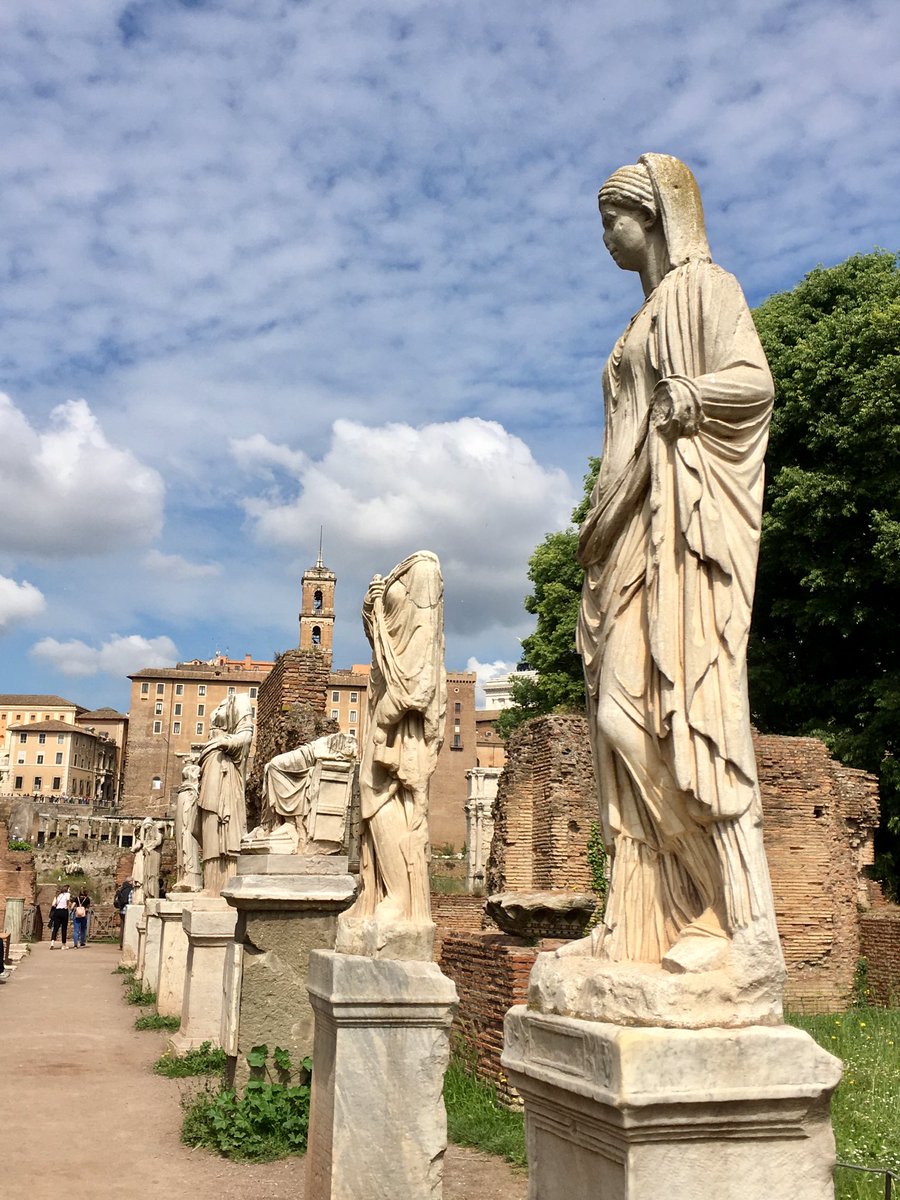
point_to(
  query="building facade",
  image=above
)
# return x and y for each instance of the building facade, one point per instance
(57, 758)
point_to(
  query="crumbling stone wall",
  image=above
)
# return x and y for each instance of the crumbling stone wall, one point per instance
(880, 944)
(456, 912)
(819, 819)
(17, 874)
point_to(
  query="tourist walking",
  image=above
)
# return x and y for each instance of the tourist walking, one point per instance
(80, 906)
(59, 917)
(124, 896)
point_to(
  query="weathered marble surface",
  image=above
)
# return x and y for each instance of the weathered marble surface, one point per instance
(541, 914)
(189, 876)
(209, 926)
(150, 969)
(710, 1114)
(378, 1128)
(145, 871)
(222, 801)
(173, 953)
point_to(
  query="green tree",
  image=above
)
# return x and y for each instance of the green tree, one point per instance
(824, 651)
(550, 651)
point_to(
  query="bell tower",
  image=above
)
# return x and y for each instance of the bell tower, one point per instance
(317, 606)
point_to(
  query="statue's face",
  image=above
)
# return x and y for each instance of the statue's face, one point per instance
(626, 235)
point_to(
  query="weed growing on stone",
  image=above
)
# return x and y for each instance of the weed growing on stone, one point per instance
(135, 994)
(155, 1021)
(270, 1120)
(865, 1109)
(476, 1118)
(206, 1059)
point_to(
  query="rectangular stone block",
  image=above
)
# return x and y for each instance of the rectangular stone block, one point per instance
(133, 913)
(378, 1128)
(210, 935)
(173, 952)
(708, 1114)
(150, 972)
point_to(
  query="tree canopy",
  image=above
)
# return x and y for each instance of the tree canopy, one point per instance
(824, 651)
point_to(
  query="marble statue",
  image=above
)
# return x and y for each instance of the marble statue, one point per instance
(403, 616)
(145, 872)
(669, 551)
(307, 794)
(222, 802)
(187, 826)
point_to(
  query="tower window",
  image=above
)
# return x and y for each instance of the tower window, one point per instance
(316, 635)
(317, 600)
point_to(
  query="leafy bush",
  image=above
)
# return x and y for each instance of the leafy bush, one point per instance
(18, 844)
(206, 1059)
(155, 1021)
(270, 1120)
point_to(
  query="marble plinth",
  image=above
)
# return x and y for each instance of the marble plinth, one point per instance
(15, 915)
(173, 952)
(707, 1114)
(287, 906)
(133, 913)
(209, 928)
(378, 1128)
(150, 973)
(141, 930)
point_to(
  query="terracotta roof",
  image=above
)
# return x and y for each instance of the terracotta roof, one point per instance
(39, 701)
(207, 674)
(102, 714)
(50, 727)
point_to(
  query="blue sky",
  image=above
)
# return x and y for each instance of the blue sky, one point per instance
(269, 265)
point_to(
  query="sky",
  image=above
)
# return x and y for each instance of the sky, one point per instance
(276, 265)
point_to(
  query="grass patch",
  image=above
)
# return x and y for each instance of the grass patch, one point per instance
(155, 1021)
(865, 1109)
(270, 1120)
(207, 1059)
(475, 1118)
(122, 970)
(135, 994)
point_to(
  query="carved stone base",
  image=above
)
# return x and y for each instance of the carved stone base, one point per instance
(133, 913)
(173, 952)
(645, 994)
(209, 928)
(378, 1128)
(287, 907)
(707, 1114)
(150, 970)
(373, 937)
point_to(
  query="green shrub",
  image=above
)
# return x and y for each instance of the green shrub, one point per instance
(155, 1021)
(18, 844)
(207, 1059)
(136, 994)
(270, 1120)
(476, 1118)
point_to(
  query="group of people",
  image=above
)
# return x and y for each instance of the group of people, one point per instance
(77, 904)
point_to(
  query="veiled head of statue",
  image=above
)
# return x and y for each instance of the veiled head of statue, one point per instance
(663, 186)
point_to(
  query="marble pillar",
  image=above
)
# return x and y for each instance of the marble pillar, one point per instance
(173, 952)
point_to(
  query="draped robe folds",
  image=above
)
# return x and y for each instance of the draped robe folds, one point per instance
(222, 805)
(669, 550)
(404, 623)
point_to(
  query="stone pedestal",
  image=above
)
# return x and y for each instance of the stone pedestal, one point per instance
(15, 914)
(209, 928)
(378, 1129)
(287, 906)
(150, 973)
(173, 952)
(133, 913)
(141, 930)
(706, 1114)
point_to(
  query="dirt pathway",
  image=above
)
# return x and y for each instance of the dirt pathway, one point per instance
(83, 1118)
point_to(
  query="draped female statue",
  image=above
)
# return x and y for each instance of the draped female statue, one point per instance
(669, 552)
(223, 777)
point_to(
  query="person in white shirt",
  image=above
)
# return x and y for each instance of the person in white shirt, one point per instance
(59, 917)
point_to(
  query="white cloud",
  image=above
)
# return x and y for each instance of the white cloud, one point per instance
(117, 657)
(65, 490)
(486, 672)
(468, 490)
(174, 568)
(18, 602)
(256, 454)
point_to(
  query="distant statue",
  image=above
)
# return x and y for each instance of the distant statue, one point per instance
(187, 826)
(669, 550)
(307, 794)
(403, 616)
(223, 778)
(145, 872)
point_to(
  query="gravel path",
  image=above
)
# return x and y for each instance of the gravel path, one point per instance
(83, 1118)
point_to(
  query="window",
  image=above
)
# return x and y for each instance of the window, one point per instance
(23, 738)
(334, 714)
(354, 697)
(253, 693)
(60, 738)
(42, 738)
(145, 689)
(157, 726)
(201, 710)
(335, 696)
(352, 716)
(160, 689)
(156, 784)
(57, 783)
(201, 690)
(457, 707)
(176, 727)
(177, 710)
(317, 600)
(199, 728)
(231, 691)
(21, 757)
(40, 760)
(179, 689)
(159, 708)
(18, 783)
(457, 742)
(38, 781)
(18, 716)
(316, 636)
(59, 758)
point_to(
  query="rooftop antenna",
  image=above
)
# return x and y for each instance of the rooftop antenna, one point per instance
(319, 562)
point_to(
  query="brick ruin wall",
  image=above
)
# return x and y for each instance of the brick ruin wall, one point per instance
(880, 936)
(819, 820)
(290, 711)
(18, 877)
(456, 913)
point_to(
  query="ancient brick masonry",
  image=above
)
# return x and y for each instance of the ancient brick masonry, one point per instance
(880, 934)
(17, 874)
(456, 913)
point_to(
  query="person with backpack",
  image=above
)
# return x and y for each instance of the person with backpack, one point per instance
(59, 916)
(123, 898)
(80, 906)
